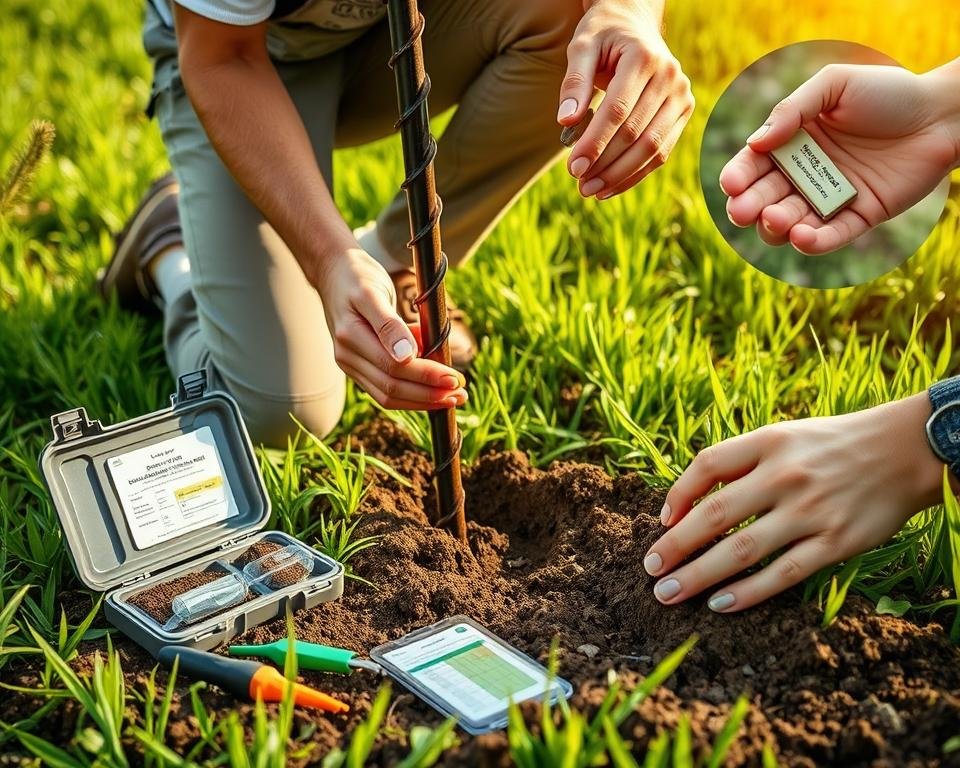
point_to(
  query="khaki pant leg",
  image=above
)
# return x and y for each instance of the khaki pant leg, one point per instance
(252, 320)
(502, 62)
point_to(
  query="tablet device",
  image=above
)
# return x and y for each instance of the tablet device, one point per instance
(463, 670)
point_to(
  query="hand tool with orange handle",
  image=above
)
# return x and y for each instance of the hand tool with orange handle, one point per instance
(245, 679)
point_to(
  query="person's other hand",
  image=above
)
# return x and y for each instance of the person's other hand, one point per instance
(617, 47)
(822, 490)
(890, 132)
(373, 345)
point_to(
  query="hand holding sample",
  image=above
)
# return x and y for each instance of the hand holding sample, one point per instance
(895, 136)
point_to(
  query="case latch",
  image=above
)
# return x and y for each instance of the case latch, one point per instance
(190, 386)
(230, 543)
(139, 577)
(72, 424)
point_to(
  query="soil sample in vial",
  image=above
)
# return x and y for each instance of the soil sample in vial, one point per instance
(263, 567)
(157, 600)
(280, 567)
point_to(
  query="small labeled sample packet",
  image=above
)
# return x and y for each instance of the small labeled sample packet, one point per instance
(463, 670)
(814, 175)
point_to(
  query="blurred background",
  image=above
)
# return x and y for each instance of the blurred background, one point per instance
(740, 110)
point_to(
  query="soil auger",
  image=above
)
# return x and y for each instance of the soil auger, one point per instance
(424, 207)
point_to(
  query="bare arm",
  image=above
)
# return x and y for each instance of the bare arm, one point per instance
(653, 7)
(255, 128)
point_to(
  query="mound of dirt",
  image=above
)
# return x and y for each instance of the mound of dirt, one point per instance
(558, 553)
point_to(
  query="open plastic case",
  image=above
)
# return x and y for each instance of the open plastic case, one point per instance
(167, 496)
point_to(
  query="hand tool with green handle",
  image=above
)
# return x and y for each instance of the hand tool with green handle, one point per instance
(321, 658)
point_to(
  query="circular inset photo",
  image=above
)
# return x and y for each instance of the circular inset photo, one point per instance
(823, 165)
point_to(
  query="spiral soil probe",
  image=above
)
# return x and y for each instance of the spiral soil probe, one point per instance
(430, 263)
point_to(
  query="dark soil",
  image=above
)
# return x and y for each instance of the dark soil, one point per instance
(267, 570)
(558, 553)
(157, 600)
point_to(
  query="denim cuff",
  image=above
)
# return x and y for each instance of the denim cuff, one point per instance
(943, 427)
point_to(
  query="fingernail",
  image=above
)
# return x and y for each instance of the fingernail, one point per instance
(452, 402)
(591, 187)
(463, 379)
(567, 108)
(579, 166)
(665, 515)
(605, 195)
(667, 588)
(451, 382)
(759, 133)
(652, 563)
(766, 226)
(721, 602)
(402, 349)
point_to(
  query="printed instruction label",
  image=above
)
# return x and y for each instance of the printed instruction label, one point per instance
(472, 673)
(172, 487)
(814, 174)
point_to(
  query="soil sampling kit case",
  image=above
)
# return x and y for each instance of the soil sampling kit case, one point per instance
(166, 512)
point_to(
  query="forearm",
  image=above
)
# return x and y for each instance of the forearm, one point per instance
(944, 84)
(255, 128)
(904, 424)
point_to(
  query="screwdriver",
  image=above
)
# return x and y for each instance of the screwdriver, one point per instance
(246, 679)
(321, 658)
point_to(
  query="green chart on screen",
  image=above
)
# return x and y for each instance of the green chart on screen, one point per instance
(495, 675)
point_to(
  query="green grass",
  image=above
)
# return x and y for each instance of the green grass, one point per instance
(628, 329)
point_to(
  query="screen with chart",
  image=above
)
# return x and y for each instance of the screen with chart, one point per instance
(472, 672)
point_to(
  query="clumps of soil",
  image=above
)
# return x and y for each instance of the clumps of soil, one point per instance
(286, 576)
(157, 600)
(558, 553)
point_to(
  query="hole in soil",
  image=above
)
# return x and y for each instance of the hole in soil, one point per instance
(558, 553)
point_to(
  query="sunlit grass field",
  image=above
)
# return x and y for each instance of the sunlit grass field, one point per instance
(626, 330)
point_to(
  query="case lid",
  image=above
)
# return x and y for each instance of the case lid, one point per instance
(143, 495)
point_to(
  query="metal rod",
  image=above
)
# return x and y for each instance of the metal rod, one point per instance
(424, 207)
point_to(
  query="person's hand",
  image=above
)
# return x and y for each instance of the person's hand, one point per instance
(617, 47)
(892, 133)
(822, 489)
(373, 345)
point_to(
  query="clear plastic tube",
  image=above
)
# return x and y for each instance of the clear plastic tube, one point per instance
(274, 570)
(205, 600)
(279, 569)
